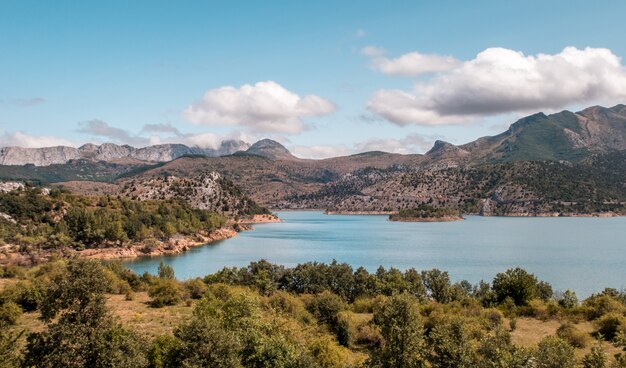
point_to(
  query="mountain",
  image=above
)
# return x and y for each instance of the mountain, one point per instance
(559, 162)
(270, 149)
(110, 152)
(561, 136)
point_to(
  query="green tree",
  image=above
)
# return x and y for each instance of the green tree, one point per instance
(166, 271)
(438, 285)
(401, 328)
(451, 344)
(80, 332)
(516, 284)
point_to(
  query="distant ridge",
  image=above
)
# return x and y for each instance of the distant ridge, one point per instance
(110, 152)
(565, 136)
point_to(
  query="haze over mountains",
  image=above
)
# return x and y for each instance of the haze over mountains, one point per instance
(560, 136)
(559, 163)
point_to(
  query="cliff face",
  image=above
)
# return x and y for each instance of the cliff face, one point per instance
(109, 152)
(37, 156)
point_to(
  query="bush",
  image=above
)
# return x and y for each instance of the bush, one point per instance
(599, 305)
(10, 313)
(195, 288)
(610, 325)
(325, 306)
(553, 352)
(164, 292)
(572, 335)
(290, 305)
(596, 358)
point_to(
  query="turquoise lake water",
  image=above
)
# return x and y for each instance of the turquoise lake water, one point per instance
(582, 254)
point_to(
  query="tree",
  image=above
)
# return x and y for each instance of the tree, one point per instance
(438, 285)
(401, 328)
(451, 345)
(84, 334)
(517, 284)
(568, 299)
(166, 271)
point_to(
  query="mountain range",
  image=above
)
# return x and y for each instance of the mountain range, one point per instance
(522, 171)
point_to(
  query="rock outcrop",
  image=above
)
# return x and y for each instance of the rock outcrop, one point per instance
(110, 152)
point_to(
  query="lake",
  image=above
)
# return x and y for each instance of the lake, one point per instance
(583, 254)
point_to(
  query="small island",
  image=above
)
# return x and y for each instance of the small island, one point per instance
(426, 213)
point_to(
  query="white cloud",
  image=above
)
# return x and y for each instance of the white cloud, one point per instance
(321, 151)
(372, 51)
(262, 107)
(500, 80)
(99, 128)
(411, 64)
(412, 143)
(21, 139)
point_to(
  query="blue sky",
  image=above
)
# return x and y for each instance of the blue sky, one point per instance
(136, 71)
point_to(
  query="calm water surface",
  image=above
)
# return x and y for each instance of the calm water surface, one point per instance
(582, 254)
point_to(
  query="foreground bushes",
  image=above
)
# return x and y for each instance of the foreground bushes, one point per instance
(267, 316)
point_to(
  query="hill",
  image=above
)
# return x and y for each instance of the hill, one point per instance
(541, 163)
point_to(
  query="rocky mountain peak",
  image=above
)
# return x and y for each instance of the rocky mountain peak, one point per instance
(271, 149)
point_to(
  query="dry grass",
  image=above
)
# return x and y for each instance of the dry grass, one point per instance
(530, 331)
(138, 315)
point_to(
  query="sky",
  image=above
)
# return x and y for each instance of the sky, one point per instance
(324, 78)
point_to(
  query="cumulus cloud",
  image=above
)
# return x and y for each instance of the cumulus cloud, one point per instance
(412, 143)
(21, 139)
(411, 64)
(262, 107)
(500, 80)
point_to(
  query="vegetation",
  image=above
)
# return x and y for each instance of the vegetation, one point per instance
(68, 313)
(424, 212)
(58, 219)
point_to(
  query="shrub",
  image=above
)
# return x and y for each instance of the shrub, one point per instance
(568, 332)
(291, 306)
(10, 312)
(553, 352)
(195, 288)
(164, 292)
(610, 325)
(596, 358)
(325, 306)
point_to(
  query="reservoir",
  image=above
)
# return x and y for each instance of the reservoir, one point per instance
(582, 254)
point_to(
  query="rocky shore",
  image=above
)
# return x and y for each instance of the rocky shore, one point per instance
(174, 245)
(260, 219)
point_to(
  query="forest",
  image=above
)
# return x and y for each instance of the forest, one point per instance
(81, 313)
(35, 217)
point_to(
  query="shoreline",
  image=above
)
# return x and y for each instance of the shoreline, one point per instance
(151, 248)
